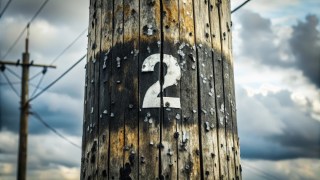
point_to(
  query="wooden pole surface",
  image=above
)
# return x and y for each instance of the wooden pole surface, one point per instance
(24, 105)
(159, 94)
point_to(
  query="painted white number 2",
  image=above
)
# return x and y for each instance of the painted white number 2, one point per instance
(151, 99)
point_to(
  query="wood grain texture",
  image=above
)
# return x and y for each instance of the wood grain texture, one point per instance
(149, 118)
(105, 90)
(216, 55)
(96, 109)
(84, 160)
(131, 88)
(226, 62)
(219, 91)
(206, 110)
(188, 131)
(118, 99)
(124, 140)
(91, 141)
(229, 77)
(171, 116)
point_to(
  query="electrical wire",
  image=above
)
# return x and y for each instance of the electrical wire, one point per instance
(35, 90)
(25, 28)
(5, 8)
(15, 43)
(11, 85)
(13, 73)
(38, 12)
(237, 8)
(271, 176)
(52, 83)
(257, 173)
(62, 52)
(33, 85)
(70, 45)
(5, 83)
(36, 75)
(37, 116)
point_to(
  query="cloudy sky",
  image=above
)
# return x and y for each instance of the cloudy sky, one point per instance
(277, 65)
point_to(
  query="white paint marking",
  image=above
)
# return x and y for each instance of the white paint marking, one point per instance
(151, 99)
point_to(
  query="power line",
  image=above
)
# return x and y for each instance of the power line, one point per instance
(257, 173)
(271, 176)
(15, 43)
(63, 74)
(37, 116)
(39, 82)
(38, 12)
(5, 8)
(14, 73)
(36, 75)
(75, 40)
(37, 87)
(62, 52)
(237, 8)
(5, 83)
(11, 85)
(25, 28)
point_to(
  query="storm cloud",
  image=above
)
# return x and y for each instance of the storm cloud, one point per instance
(258, 39)
(45, 153)
(281, 130)
(67, 14)
(301, 51)
(66, 118)
(305, 45)
(272, 124)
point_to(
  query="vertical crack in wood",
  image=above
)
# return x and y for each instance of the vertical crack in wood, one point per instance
(177, 124)
(198, 92)
(225, 89)
(138, 103)
(210, 9)
(124, 114)
(161, 86)
(221, 39)
(110, 80)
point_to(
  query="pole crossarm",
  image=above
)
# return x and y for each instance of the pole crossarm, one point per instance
(21, 64)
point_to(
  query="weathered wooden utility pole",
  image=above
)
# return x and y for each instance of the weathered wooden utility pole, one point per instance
(24, 107)
(159, 94)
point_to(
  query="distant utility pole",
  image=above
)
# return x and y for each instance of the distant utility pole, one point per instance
(24, 107)
(159, 96)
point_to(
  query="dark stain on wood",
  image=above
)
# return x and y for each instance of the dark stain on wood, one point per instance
(123, 140)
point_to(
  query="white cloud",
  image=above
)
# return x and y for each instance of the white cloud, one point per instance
(49, 157)
(62, 103)
(274, 121)
(283, 12)
(8, 142)
(57, 173)
(255, 117)
(296, 169)
(6, 168)
(268, 70)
